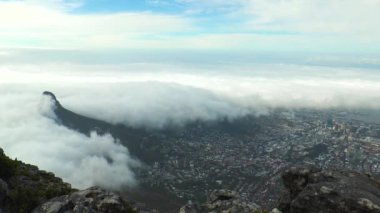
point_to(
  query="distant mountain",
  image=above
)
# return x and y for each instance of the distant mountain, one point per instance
(129, 137)
(145, 144)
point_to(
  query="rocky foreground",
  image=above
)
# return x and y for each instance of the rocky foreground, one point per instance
(308, 190)
(25, 188)
(93, 199)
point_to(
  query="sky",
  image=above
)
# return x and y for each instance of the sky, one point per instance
(296, 26)
(150, 63)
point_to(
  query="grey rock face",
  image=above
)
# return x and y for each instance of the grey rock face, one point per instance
(315, 191)
(93, 200)
(221, 201)
(4, 190)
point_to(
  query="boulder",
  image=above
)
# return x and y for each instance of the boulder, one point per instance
(221, 201)
(312, 190)
(93, 200)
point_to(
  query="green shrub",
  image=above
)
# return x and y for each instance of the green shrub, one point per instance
(28, 186)
(7, 166)
(23, 199)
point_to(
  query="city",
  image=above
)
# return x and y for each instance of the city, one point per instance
(203, 158)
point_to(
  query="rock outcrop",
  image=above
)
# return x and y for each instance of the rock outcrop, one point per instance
(93, 199)
(308, 190)
(221, 201)
(315, 191)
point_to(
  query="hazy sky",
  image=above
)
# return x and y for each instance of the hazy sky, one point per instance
(330, 26)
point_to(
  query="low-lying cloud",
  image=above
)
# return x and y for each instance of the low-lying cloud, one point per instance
(29, 133)
(147, 98)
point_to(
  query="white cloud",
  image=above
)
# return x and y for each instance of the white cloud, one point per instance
(29, 134)
(211, 6)
(35, 25)
(349, 17)
(351, 24)
(340, 26)
(160, 94)
(55, 4)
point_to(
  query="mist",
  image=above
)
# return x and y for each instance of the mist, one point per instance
(29, 133)
(154, 96)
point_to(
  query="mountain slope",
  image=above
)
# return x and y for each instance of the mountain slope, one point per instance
(24, 186)
(128, 136)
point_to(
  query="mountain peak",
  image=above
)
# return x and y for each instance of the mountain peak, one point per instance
(50, 94)
(54, 99)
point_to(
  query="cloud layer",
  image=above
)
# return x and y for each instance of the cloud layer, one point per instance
(43, 25)
(270, 25)
(154, 96)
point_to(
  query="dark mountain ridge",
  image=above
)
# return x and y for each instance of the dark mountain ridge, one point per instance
(127, 135)
(135, 139)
